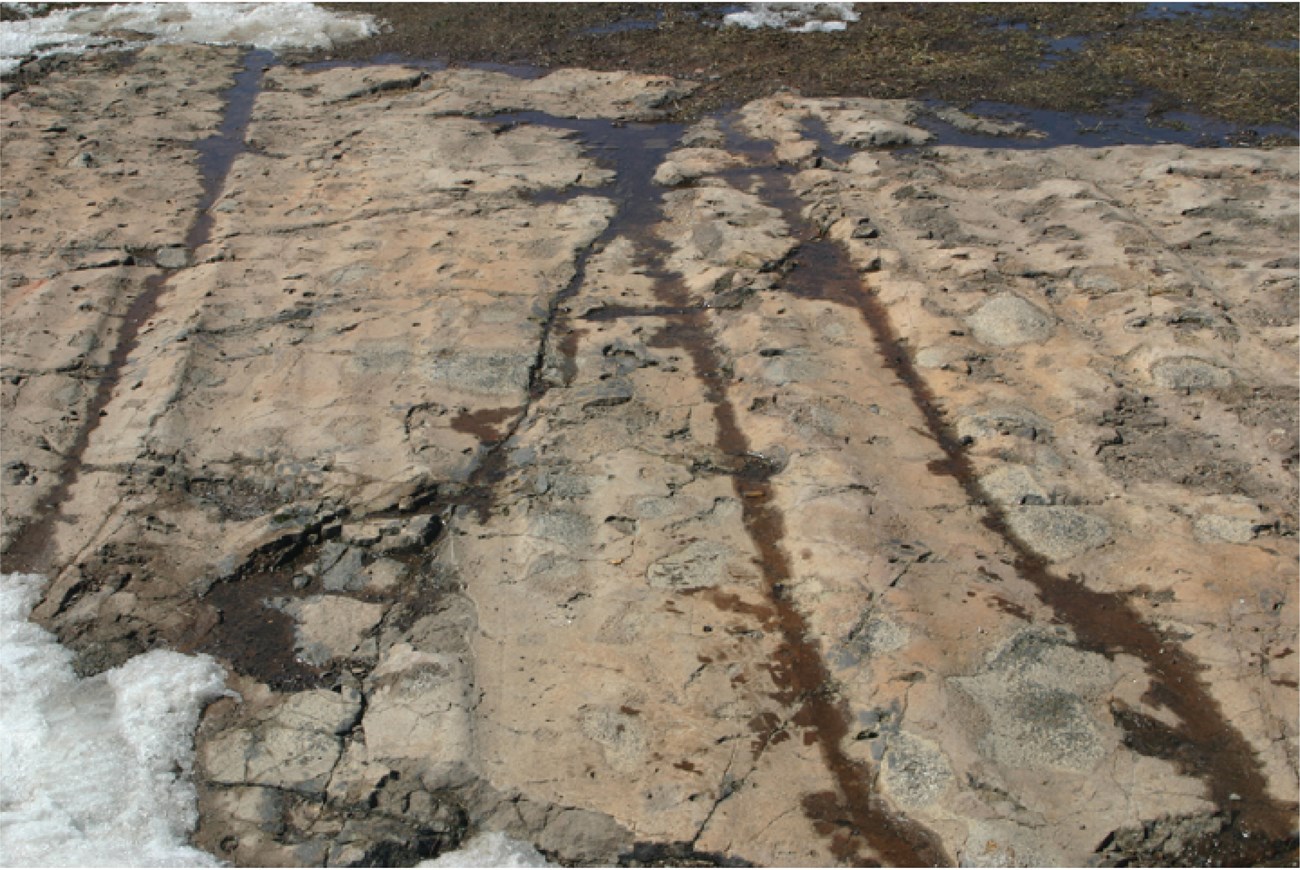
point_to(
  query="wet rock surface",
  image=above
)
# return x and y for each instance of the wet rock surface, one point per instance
(781, 490)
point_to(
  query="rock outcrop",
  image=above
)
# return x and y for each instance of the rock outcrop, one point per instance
(776, 490)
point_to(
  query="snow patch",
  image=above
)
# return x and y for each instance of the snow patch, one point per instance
(794, 17)
(96, 770)
(271, 26)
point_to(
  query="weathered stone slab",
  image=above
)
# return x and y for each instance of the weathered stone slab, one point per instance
(722, 506)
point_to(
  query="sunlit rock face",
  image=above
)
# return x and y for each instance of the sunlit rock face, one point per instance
(761, 490)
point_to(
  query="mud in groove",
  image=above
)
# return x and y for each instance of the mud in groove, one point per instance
(624, 148)
(483, 424)
(1104, 623)
(619, 312)
(856, 823)
(30, 550)
(851, 817)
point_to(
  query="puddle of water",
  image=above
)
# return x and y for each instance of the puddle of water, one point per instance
(516, 70)
(1066, 43)
(1061, 49)
(519, 71)
(217, 153)
(1169, 11)
(1131, 125)
(1128, 124)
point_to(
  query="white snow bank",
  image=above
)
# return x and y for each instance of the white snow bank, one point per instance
(795, 17)
(95, 772)
(490, 850)
(272, 26)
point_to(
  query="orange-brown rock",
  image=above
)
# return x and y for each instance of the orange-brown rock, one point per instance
(789, 489)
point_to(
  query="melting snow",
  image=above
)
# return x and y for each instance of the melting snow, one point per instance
(96, 770)
(795, 17)
(271, 26)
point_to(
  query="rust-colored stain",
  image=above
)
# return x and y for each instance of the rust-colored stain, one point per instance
(18, 294)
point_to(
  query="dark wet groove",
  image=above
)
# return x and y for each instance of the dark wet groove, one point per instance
(1104, 623)
(803, 680)
(621, 146)
(799, 672)
(30, 549)
(620, 312)
(852, 815)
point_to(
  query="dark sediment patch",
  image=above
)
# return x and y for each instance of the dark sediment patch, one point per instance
(1104, 623)
(246, 630)
(30, 549)
(256, 638)
(248, 625)
(484, 424)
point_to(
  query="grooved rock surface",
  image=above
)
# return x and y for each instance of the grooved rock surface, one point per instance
(747, 492)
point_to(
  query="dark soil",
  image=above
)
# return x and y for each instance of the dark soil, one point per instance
(1232, 62)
